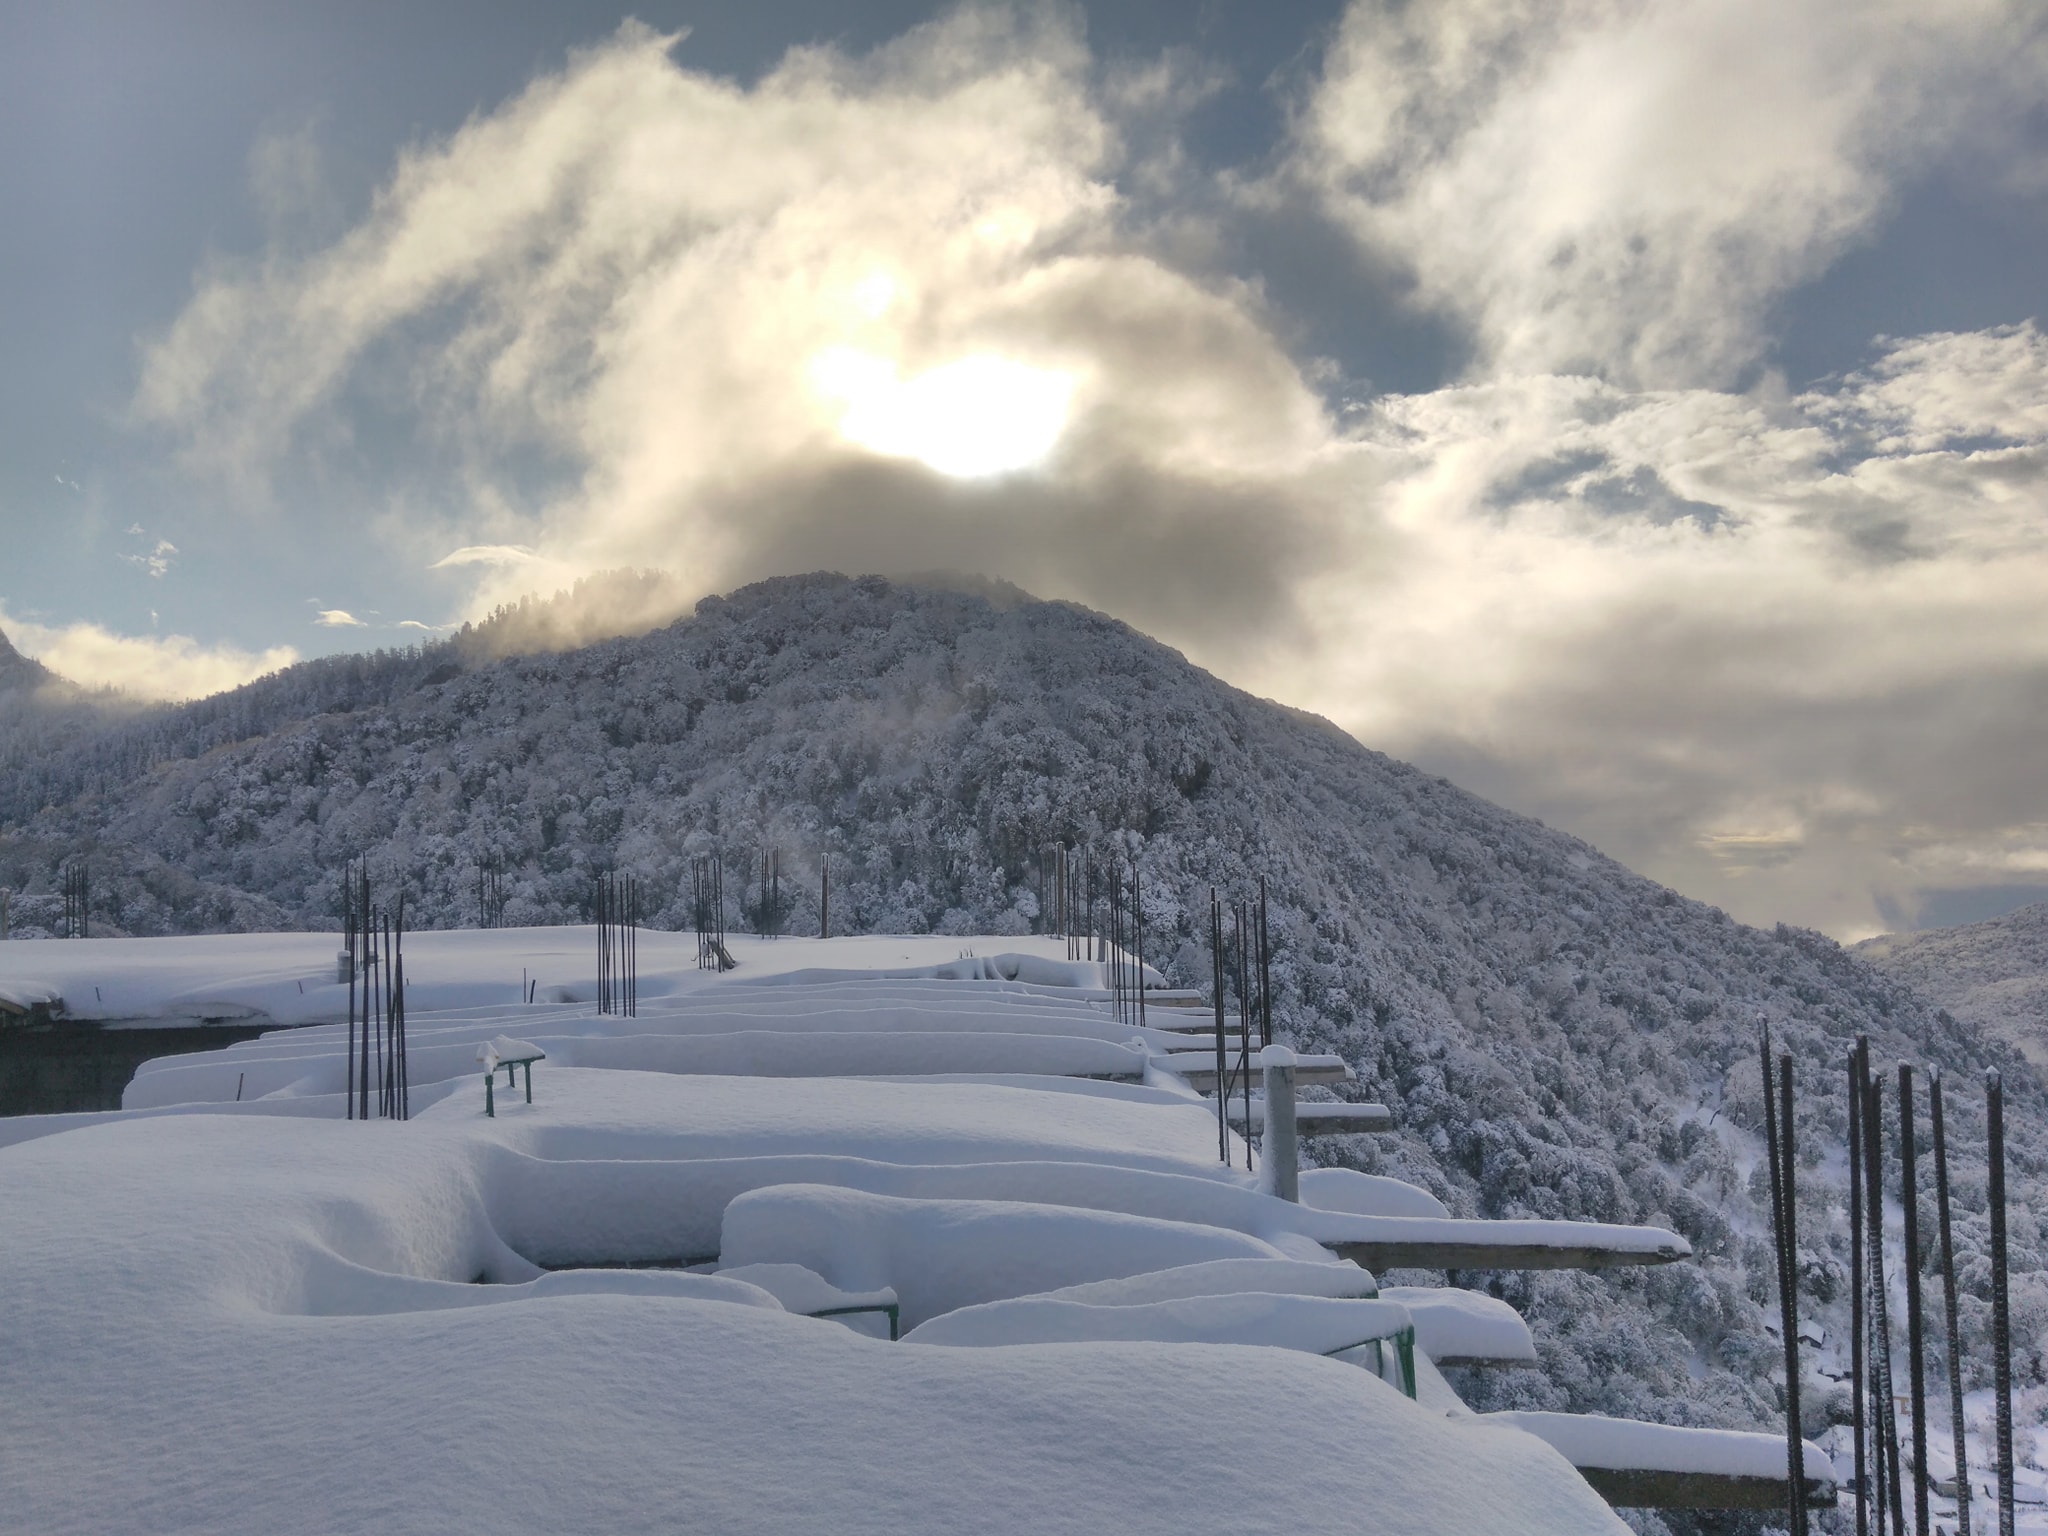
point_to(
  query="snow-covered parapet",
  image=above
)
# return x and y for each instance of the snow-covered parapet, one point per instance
(1455, 1327)
(1674, 1467)
(1316, 1325)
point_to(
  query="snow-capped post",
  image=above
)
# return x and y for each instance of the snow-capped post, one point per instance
(1280, 1173)
(825, 895)
(1916, 1367)
(1778, 1147)
(1948, 1302)
(1856, 1398)
(2001, 1313)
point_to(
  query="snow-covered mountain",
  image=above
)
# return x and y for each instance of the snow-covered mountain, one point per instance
(1993, 974)
(1558, 1036)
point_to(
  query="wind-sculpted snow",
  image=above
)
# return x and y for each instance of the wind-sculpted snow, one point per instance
(1558, 1038)
(258, 1323)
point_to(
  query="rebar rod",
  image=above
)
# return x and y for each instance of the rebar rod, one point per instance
(1948, 1302)
(1138, 918)
(1222, 1079)
(1916, 1365)
(1777, 1139)
(1265, 972)
(1857, 1280)
(2001, 1314)
(1244, 1033)
(1880, 1305)
(348, 1062)
(1796, 1447)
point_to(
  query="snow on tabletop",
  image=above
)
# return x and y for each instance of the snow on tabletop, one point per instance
(503, 1048)
(239, 1323)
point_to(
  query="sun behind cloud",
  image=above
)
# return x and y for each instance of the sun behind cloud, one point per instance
(982, 415)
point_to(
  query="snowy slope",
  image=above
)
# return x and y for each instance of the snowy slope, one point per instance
(1559, 1038)
(1992, 974)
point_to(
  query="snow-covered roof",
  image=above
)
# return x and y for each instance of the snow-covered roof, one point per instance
(257, 1315)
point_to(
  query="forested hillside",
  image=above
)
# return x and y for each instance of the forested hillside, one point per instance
(1558, 1036)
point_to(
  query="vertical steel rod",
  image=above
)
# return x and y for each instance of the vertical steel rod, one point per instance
(1222, 1078)
(1794, 1433)
(1916, 1366)
(2001, 1315)
(1880, 1302)
(1948, 1303)
(1857, 1280)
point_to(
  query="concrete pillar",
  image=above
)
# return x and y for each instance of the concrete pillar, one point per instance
(1281, 1171)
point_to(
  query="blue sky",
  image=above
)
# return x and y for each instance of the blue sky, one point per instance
(1633, 411)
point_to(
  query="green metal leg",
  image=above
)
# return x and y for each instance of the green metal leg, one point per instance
(490, 1100)
(529, 1082)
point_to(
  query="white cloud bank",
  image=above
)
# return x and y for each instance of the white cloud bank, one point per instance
(891, 313)
(1625, 186)
(159, 668)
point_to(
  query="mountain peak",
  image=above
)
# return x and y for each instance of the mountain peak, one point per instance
(19, 672)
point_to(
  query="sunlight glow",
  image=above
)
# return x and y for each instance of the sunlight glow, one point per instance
(979, 416)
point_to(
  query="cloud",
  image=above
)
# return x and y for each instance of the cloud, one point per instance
(937, 218)
(1778, 649)
(338, 618)
(1625, 188)
(154, 667)
(486, 554)
(157, 561)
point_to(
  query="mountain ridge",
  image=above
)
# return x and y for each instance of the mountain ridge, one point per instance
(1993, 973)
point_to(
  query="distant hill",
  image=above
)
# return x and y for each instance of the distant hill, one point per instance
(1993, 974)
(1558, 1036)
